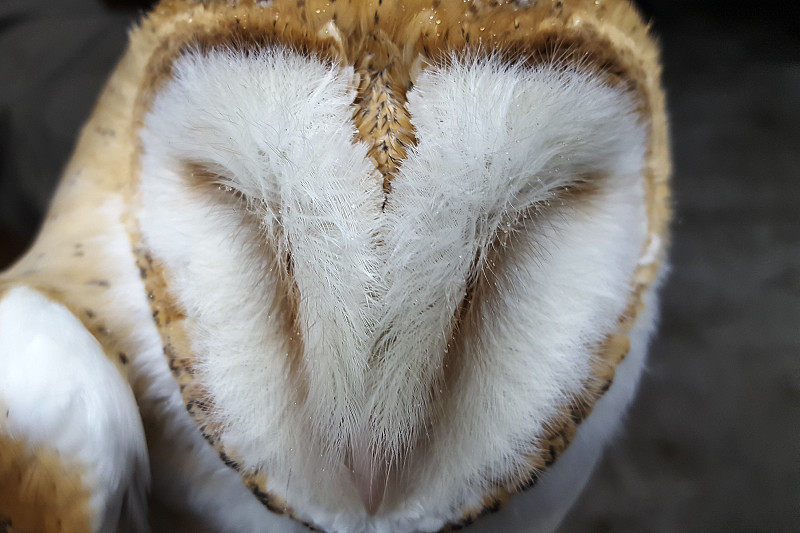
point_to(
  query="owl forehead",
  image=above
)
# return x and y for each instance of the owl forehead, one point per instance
(378, 35)
(388, 44)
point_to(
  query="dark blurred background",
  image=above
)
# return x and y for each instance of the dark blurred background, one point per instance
(712, 442)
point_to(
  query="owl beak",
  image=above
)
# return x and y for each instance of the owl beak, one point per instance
(369, 476)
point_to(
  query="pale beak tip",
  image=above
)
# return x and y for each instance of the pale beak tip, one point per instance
(371, 485)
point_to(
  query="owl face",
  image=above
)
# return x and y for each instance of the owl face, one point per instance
(393, 250)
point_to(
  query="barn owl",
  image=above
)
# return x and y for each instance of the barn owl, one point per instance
(361, 266)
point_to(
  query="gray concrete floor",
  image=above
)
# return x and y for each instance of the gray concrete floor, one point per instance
(713, 441)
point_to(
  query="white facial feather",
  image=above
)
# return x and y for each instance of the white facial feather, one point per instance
(482, 198)
(295, 163)
(541, 510)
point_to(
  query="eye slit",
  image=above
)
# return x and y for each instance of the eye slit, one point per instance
(577, 190)
(206, 181)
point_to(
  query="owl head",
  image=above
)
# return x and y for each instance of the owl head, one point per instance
(396, 250)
